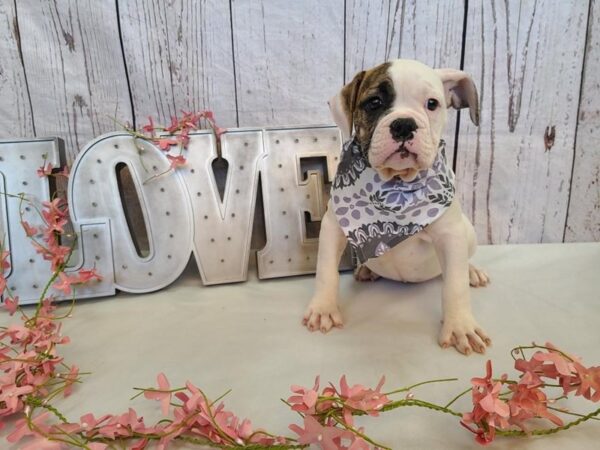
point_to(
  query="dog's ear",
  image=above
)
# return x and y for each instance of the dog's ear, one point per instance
(460, 91)
(343, 104)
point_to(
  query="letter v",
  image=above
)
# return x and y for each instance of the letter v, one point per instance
(223, 229)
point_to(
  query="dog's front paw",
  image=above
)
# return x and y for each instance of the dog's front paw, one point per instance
(322, 315)
(464, 334)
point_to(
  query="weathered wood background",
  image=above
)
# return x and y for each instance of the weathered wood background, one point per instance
(68, 66)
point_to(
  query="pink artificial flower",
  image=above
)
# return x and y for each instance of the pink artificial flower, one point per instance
(55, 215)
(174, 125)
(149, 127)
(65, 283)
(57, 255)
(4, 264)
(45, 170)
(360, 398)
(11, 304)
(97, 446)
(89, 423)
(552, 364)
(11, 396)
(70, 378)
(559, 365)
(183, 138)
(22, 427)
(86, 275)
(527, 403)
(588, 382)
(166, 143)
(114, 429)
(162, 394)
(30, 230)
(482, 437)
(140, 445)
(176, 161)
(489, 411)
(327, 437)
(306, 399)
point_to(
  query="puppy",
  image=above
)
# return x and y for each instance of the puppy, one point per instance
(393, 197)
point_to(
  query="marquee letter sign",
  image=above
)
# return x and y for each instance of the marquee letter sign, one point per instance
(182, 210)
(19, 161)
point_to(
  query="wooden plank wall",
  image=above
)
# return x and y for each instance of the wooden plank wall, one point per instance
(68, 66)
(514, 187)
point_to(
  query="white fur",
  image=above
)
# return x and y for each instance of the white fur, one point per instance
(444, 247)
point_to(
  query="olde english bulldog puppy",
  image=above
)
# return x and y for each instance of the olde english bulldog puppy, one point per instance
(393, 197)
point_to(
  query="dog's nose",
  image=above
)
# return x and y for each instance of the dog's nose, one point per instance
(403, 129)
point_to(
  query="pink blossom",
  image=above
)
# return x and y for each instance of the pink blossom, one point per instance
(89, 423)
(55, 215)
(176, 161)
(70, 378)
(166, 143)
(361, 398)
(22, 428)
(149, 127)
(97, 446)
(529, 402)
(327, 437)
(587, 382)
(11, 304)
(86, 275)
(30, 230)
(4, 266)
(553, 364)
(11, 396)
(162, 394)
(306, 399)
(174, 125)
(65, 283)
(489, 411)
(45, 170)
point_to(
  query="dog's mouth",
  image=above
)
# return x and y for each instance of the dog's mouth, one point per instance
(402, 164)
(401, 153)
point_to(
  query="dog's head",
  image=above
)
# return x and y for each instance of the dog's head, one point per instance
(398, 113)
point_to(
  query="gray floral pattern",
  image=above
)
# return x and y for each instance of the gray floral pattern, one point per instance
(352, 163)
(377, 215)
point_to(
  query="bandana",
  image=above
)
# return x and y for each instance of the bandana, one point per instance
(376, 215)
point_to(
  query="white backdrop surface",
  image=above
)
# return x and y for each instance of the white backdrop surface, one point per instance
(248, 337)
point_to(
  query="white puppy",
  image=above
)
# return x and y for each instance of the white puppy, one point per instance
(393, 195)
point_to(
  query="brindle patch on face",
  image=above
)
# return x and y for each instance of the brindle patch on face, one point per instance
(376, 83)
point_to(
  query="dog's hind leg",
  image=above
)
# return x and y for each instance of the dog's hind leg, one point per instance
(477, 277)
(363, 273)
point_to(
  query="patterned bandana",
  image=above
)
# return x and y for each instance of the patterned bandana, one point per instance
(375, 214)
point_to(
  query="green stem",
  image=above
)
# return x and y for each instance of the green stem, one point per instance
(359, 434)
(420, 403)
(457, 397)
(547, 431)
(442, 380)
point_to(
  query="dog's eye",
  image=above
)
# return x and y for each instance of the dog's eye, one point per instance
(373, 104)
(432, 104)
